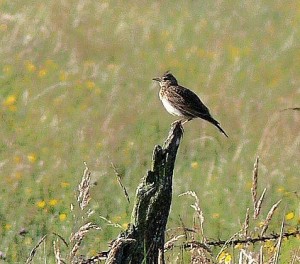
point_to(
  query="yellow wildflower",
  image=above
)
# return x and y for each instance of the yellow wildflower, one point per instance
(30, 66)
(289, 216)
(269, 245)
(31, 157)
(17, 159)
(41, 204)
(7, 69)
(18, 175)
(63, 76)
(53, 202)
(62, 217)
(116, 218)
(222, 256)
(195, 165)
(228, 259)
(286, 193)
(7, 227)
(50, 63)
(42, 73)
(130, 144)
(64, 184)
(10, 100)
(215, 215)
(90, 85)
(12, 108)
(280, 189)
(261, 224)
(239, 246)
(28, 241)
(235, 52)
(3, 27)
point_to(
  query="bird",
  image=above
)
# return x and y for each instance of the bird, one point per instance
(180, 101)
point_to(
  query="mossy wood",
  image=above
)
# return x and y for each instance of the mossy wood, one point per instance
(143, 242)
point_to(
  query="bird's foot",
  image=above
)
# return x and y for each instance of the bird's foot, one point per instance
(176, 122)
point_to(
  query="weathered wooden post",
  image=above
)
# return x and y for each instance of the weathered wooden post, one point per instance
(143, 242)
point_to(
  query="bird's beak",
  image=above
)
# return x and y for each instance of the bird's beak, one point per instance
(156, 79)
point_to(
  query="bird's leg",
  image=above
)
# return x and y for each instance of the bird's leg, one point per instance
(183, 121)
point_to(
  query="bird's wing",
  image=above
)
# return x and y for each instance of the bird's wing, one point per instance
(190, 105)
(187, 102)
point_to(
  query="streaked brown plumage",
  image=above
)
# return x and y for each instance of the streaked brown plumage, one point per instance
(181, 101)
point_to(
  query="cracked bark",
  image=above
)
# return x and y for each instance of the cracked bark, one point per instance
(143, 241)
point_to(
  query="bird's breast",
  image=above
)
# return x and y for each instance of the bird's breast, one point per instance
(169, 107)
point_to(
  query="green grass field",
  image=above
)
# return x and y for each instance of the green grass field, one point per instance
(76, 85)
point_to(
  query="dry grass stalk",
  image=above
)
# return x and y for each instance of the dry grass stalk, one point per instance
(83, 201)
(258, 204)
(247, 256)
(296, 256)
(200, 255)
(110, 223)
(245, 227)
(267, 138)
(84, 188)
(61, 238)
(268, 218)
(261, 255)
(194, 227)
(78, 237)
(254, 182)
(57, 255)
(277, 252)
(198, 210)
(33, 251)
(117, 249)
(227, 242)
(120, 182)
(170, 244)
(184, 228)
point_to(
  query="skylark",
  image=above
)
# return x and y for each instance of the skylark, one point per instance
(180, 101)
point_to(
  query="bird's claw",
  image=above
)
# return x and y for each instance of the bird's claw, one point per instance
(180, 122)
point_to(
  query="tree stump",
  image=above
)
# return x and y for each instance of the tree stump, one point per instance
(143, 241)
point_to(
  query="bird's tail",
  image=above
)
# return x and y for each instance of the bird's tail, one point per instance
(217, 124)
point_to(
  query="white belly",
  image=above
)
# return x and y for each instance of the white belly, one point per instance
(172, 110)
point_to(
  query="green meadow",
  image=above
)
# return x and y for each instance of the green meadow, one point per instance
(76, 86)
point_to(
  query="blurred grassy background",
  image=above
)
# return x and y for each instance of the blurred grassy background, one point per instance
(76, 86)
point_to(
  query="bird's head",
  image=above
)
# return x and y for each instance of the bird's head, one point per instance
(166, 79)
